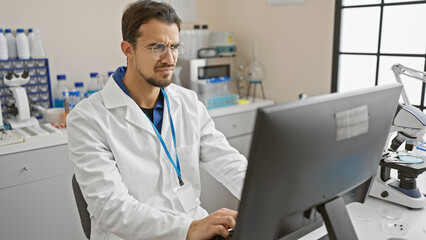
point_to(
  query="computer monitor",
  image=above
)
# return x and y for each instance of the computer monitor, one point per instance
(310, 158)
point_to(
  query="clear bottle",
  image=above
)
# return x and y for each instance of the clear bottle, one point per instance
(108, 77)
(3, 48)
(60, 91)
(94, 85)
(11, 44)
(79, 88)
(198, 40)
(31, 38)
(76, 94)
(23, 45)
(205, 33)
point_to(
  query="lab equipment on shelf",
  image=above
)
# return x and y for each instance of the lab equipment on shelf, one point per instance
(37, 50)
(95, 84)
(60, 91)
(37, 88)
(211, 78)
(20, 109)
(76, 94)
(8, 137)
(223, 42)
(106, 78)
(23, 44)
(31, 39)
(11, 44)
(216, 92)
(194, 40)
(4, 55)
(256, 73)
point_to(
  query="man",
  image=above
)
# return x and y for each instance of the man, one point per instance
(138, 144)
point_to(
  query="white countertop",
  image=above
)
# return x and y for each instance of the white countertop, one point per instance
(59, 140)
(369, 223)
(259, 102)
(42, 142)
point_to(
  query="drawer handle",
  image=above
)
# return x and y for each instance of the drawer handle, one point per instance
(26, 169)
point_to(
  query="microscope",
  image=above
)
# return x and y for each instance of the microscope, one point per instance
(21, 108)
(409, 124)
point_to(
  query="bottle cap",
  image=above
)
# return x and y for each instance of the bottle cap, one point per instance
(1, 30)
(205, 26)
(7, 30)
(93, 74)
(110, 73)
(196, 26)
(78, 84)
(20, 30)
(61, 77)
(30, 30)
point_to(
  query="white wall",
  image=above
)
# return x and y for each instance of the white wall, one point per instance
(295, 42)
(79, 36)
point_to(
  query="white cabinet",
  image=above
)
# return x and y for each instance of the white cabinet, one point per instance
(237, 124)
(36, 198)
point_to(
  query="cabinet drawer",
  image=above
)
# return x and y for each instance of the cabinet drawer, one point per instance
(35, 165)
(236, 124)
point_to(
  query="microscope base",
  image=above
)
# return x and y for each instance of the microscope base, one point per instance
(384, 191)
(14, 123)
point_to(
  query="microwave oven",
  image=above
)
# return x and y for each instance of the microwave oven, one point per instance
(194, 70)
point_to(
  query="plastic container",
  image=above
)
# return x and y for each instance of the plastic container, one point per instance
(108, 77)
(22, 44)
(213, 87)
(31, 38)
(76, 94)
(58, 92)
(95, 84)
(37, 50)
(187, 37)
(11, 44)
(205, 34)
(3, 48)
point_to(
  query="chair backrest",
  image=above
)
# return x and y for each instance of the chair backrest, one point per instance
(82, 207)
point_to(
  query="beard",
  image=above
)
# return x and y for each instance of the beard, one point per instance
(157, 82)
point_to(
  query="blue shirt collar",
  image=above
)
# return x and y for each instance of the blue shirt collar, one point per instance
(118, 77)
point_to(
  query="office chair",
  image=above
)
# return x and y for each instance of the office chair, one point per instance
(82, 207)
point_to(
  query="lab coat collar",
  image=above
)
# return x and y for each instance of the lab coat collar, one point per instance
(114, 97)
(175, 108)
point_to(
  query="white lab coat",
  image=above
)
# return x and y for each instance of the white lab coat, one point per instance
(124, 173)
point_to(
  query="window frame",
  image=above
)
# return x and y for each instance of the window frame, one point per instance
(337, 52)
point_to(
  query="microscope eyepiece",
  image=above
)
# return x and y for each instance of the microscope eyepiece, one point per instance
(9, 75)
(25, 73)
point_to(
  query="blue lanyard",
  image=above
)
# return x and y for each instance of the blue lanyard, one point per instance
(177, 165)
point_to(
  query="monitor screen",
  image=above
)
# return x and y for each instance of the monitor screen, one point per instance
(309, 158)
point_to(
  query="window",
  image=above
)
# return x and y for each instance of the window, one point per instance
(371, 36)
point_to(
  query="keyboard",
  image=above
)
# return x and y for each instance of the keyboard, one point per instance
(231, 231)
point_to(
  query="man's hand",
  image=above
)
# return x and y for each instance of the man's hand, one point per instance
(215, 224)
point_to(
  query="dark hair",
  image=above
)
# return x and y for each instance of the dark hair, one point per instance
(140, 12)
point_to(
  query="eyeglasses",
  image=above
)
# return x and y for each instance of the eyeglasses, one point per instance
(159, 50)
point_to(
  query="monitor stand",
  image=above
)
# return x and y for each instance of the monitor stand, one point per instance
(337, 221)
